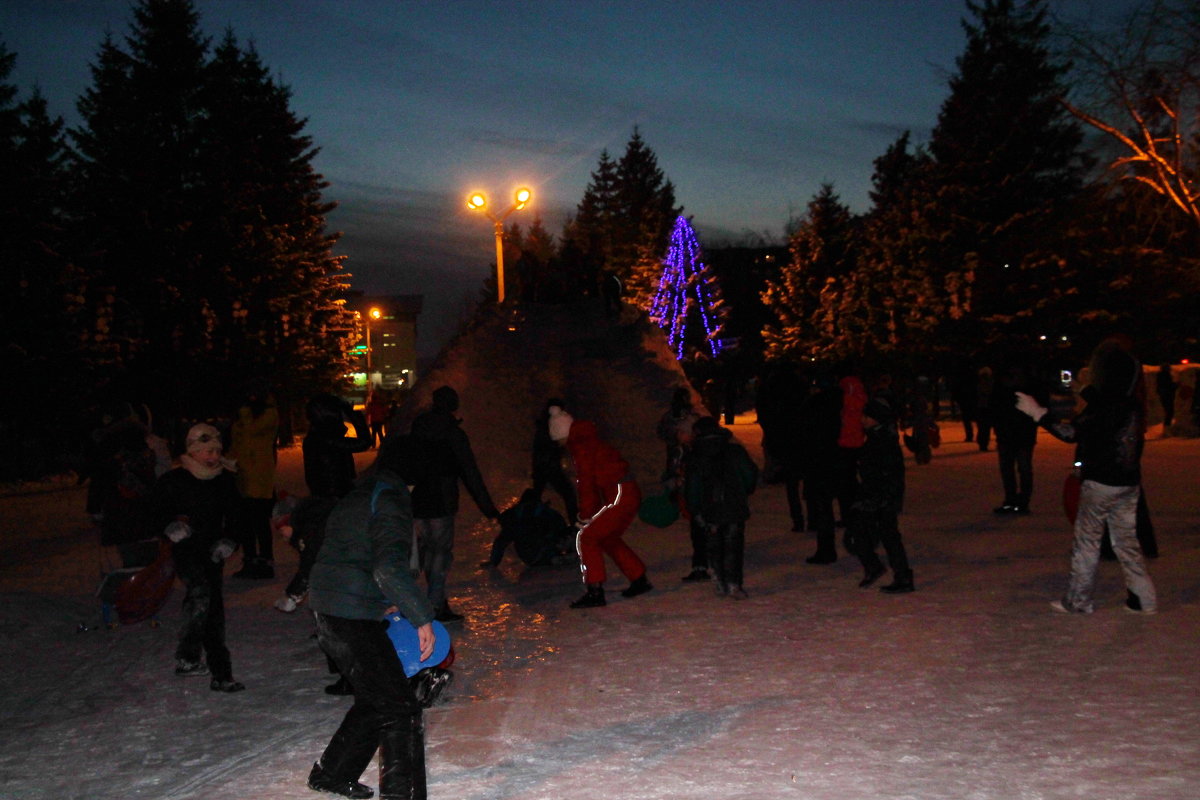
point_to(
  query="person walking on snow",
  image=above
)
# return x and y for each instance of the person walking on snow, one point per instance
(194, 506)
(1109, 434)
(362, 574)
(435, 496)
(675, 430)
(719, 478)
(608, 502)
(873, 517)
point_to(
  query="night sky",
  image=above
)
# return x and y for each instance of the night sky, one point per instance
(749, 106)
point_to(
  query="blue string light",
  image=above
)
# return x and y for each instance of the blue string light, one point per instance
(684, 269)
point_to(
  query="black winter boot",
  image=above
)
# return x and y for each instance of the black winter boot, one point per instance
(402, 760)
(592, 598)
(321, 781)
(902, 584)
(429, 683)
(639, 585)
(872, 574)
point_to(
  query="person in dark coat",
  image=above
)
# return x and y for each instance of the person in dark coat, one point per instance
(964, 392)
(820, 425)
(195, 506)
(1165, 385)
(674, 430)
(435, 496)
(1109, 435)
(361, 575)
(1016, 436)
(547, 466)
(873, 517)
(539, 532)
(719, 479)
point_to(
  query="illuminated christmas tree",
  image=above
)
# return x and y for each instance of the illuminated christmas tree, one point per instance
(688, 302)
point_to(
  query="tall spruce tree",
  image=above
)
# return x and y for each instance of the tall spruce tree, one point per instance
(205, 218)
(623, 222)
(1007, 167)
(806, 297)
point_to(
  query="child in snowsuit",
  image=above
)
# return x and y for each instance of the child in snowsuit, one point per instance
(719, 478)
(873, 516)
(535, 528)
(609, 498)
(194, 506)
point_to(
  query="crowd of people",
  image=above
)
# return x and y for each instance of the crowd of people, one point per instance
(383, 543)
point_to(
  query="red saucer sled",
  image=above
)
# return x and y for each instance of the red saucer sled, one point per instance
(144, 594)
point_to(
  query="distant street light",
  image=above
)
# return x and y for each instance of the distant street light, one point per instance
(477, 201)
(374, 313)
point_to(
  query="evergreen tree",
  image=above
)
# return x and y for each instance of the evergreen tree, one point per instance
(212, 263)
(805, 299)
(623, 222)
(1007, 166)
(688, 302)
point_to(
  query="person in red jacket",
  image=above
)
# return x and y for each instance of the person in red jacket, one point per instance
(608, 501)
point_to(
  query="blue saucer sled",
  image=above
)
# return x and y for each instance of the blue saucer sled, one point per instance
(404, 638)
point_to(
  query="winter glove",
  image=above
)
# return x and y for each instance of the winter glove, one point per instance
(177, 531)
(1030, 407)
(222, 550)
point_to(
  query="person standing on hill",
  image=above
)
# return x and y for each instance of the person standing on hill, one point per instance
(252, 446)
(609, 498)
(719, 479)
(194, 506)
(435, 496)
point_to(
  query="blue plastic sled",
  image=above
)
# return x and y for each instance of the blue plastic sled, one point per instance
(404, 637)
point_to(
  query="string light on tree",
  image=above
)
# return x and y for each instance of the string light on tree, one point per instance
(687, 290)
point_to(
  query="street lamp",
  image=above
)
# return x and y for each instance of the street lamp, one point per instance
(374, 313)
(477, 201)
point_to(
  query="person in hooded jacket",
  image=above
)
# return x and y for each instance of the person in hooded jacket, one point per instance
(873, 516)
(435, 495)
(719, 478)
(609, 498)
(194, 505)
(252, 446)
(1109, 434)
(362, 574)
(329, 472)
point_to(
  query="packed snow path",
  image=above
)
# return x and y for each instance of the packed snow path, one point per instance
(969, 689)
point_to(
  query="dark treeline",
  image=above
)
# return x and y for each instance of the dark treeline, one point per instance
(1038, 218)
(167, 251)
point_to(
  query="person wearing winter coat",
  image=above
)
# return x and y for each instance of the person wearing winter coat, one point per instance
(720, 477)
(675, 431)
(538, 531)
(850, 438)
(252, 446)
(873, 517)
(377, 413)
(435, 496)
(1109, 434)
(609, 498)
(362, 574)
(194, 505)
(1016, 436)
(819, 427)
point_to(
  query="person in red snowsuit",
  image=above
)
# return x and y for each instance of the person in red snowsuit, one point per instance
(608, 501)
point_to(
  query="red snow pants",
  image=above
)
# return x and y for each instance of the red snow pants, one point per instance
(603, 534)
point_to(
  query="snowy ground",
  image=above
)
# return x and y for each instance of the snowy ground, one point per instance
(969, 689)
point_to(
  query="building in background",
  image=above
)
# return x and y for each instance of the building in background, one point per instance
(386, 355)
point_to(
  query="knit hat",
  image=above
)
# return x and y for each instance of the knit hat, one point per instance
(560, 423)
(202, 436)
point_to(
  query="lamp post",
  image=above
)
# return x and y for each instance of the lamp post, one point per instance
(477, 201)
(374, 313)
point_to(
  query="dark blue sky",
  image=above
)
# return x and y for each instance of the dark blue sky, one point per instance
(749, 106)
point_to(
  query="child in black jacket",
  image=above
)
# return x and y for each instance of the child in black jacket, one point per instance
(873, 517)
